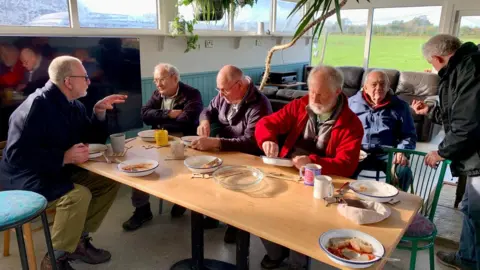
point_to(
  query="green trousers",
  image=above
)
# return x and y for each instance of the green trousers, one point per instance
(82, 209)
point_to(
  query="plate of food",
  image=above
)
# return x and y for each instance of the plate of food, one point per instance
(284, 162)
(96, 150)
(238, 177)
(138, 167)
(202, 164)
(372, 190)
(351, 248)
(187, 140)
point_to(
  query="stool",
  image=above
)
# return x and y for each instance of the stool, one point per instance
(18, 207)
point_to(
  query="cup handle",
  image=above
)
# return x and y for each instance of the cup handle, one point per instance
(301, 171)
(330, 189)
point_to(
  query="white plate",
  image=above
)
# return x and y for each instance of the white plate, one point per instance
(284, 162)
(378, 249)
(96, 150)
(187, 140)
(141, 172)
(373, 190)
(195, 164)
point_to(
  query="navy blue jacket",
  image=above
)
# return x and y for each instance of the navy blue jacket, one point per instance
(391, 125)
(41, 130)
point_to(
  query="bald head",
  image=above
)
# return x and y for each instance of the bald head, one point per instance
(376, 85)
(231, 84)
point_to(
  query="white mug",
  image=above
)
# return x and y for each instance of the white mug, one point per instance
(322, 187)
(118, 142)
(177, 149)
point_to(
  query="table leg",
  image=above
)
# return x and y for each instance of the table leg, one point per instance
(243, 250)
(197, 262)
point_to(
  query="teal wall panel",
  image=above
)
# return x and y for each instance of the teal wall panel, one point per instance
(205, 82)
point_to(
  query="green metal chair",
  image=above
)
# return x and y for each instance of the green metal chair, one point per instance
(427, 183)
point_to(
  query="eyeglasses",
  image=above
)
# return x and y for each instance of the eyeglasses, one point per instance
(226, 92)
(85, 77)
(162, 80)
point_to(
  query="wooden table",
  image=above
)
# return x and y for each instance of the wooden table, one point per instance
(280, 211)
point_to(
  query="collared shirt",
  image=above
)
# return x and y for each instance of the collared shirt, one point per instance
(30, 73)
(168, 101)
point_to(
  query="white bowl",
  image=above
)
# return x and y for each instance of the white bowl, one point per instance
(96, 150)
(378, 249)
(187, 140)
(284, 162)
(195, 164)
(147, 135)
(140, 172)
(372, 190)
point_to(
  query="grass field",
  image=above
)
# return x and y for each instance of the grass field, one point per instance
(397, 52)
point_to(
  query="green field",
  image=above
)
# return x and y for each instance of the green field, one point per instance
(397, 52)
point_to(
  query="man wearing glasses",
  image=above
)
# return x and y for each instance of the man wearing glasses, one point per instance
(175, 106)
(234, 112)
(49, 133)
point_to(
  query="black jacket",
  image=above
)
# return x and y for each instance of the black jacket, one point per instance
(459, 111)
(188, 100)
(40, 131)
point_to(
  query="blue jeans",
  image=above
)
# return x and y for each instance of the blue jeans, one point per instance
(469, 250)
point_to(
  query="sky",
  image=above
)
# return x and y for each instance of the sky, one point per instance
(125, 7)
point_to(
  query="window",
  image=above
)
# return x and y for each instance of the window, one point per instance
(118, 13)
(187, 13)
(398, 35)
(246, 18)
(35, 13)
(283, 22)
(342, 49)
(470, 29)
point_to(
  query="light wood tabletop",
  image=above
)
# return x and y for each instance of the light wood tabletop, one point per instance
(284, 212)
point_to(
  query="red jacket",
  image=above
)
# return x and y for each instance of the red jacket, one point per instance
(343, 148)
(14, 76)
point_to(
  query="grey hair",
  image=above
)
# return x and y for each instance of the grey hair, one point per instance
(333, 75)
(61, 67)
(440, 45)
(384, 74)
(170, 69)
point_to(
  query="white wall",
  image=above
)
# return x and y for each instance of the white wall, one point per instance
(223, 52)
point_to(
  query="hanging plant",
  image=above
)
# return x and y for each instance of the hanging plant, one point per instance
(210, 11)
(181, 27)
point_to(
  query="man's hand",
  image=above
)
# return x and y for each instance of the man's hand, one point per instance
(270, 148)
(20, 87)
(107, 103)
(300, 161)
(419, 107)
(204, 128)
(76, 154)
(206, 144)
(432, 159)
(174, 113)
(401, 159)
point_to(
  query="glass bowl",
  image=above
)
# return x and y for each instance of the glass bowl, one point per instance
(238, 177)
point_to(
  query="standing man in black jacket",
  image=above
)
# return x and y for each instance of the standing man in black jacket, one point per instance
(48, 134)
(458, 110)
(176, 107)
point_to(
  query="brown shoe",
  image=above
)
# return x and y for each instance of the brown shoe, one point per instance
(89, 254)
(62, 263)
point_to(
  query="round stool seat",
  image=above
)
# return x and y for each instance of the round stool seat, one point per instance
(18, 207)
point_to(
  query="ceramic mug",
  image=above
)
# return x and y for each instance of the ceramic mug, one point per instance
(323, 187)
(177, 149)
(118, 142)
(308, 173)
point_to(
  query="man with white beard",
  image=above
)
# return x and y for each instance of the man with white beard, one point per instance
(319, 128)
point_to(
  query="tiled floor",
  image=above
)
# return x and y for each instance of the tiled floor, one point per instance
(164, 241)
